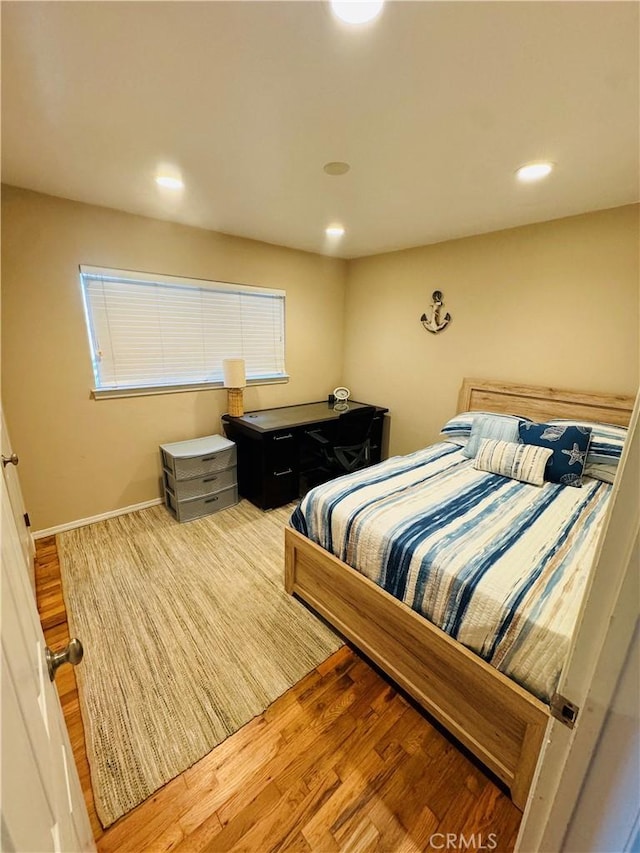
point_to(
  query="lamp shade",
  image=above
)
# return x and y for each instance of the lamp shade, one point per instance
(233, 370)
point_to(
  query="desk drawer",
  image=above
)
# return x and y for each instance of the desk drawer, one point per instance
(281, 450)
(188, 510)
(280, 487)
(199, 486)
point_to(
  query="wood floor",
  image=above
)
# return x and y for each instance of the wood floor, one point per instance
(341, 762)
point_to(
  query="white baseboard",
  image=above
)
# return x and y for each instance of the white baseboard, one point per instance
(82, 522)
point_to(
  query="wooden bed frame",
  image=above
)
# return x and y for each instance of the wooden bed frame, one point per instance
(496, 719)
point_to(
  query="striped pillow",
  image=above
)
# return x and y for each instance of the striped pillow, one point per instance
(502, 427)
(605, 473)
(607, 440)
(458, 429)
(523, 462)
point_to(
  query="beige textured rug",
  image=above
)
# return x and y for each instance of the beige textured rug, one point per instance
(188, 634)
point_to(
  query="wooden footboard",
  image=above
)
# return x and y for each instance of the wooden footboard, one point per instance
(495, 718)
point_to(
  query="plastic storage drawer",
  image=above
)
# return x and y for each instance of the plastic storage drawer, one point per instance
(199, 486)
(200, 456)
(188, 510)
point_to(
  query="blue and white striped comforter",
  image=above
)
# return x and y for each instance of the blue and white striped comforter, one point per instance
(497, 564)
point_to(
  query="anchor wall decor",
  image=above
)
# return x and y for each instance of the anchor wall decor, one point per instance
(434, 323)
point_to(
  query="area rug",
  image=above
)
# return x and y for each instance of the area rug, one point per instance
(188, 634)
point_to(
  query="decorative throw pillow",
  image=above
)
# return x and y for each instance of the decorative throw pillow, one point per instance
(523, 462)
(502, 427)
(607, 440)
(569, 446)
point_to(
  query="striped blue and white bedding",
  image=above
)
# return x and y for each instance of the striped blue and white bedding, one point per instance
(498, 564)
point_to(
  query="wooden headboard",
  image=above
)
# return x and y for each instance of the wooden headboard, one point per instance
(540, 403)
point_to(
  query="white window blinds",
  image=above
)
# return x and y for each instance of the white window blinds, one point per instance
(151, 331)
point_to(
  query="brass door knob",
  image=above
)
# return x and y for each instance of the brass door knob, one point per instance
(10, 460)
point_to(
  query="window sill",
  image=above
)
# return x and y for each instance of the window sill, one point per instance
(147, 391)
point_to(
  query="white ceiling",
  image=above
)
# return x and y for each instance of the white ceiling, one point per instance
(434, 105)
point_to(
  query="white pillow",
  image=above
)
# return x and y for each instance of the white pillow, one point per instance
(523, 462)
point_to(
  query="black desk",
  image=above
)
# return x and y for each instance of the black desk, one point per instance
(273, 467)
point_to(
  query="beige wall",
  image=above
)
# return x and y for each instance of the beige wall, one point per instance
(80, 457)
(554, 303)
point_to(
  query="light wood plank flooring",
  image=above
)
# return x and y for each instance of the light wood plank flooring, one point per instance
(341, 762)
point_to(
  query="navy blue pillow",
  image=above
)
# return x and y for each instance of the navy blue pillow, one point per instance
(569, 445)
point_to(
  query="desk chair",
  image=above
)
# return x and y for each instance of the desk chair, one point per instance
(348, 448)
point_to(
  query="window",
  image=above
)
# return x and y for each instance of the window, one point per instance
(160, 332)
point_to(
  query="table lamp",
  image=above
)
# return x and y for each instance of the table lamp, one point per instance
(234, 382)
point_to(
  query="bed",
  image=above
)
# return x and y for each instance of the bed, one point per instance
(501, 721)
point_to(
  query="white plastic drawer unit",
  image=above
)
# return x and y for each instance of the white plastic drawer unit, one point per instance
(200, 476)
(199, 456)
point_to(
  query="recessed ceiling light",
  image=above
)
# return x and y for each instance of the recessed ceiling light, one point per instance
(169, 182)
(534, 171)
(336, 167)
(357, 11)
(334, 231)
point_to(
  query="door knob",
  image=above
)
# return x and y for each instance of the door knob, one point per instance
(10, 460)
(72, 654)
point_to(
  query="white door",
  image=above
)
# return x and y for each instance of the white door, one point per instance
(10, 460)
(597, 657)
(41, 799)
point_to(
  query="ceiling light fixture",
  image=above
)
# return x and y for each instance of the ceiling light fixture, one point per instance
(169, 182)
(334, 231)
(336, 167)
(356, 11)
(534, 171)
